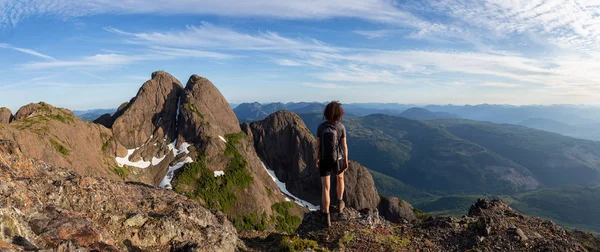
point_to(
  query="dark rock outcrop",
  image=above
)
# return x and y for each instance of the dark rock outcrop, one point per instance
(6, 116)
(396, 210)
(360, 191)
(105, 120)
(59, 210)
(288, 148)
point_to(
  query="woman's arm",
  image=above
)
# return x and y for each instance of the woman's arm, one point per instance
(317, 151)
(345, 149)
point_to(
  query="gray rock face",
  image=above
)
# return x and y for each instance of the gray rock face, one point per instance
(204, 109)
(287, 147)
(396, 210)
(148, 123)
(5, 116)
(151, 116)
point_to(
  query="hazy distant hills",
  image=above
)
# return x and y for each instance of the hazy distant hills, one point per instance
(92, 114)
(422, 154)
(424, 114)
(569, 120)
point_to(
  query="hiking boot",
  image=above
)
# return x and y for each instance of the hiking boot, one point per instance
(327, 218)
(341, 206)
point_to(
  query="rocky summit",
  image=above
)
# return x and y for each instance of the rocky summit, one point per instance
(48, 208)
(490, 226)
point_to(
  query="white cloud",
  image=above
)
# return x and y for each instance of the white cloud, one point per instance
(207, 35)
(287, 62)
(360, 65)
(501, 85)
(98, 60)
(569, 24)
(374, 10)
(323, 85)
(375, 34)
(26, 51)
(190, 53)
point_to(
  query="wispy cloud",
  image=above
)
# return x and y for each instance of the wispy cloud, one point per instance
(375, 34)
(566, 23)
(207, 35)
(501, 84)
(92, 75)
(26, 51)
(374, 10)
(98, 60)
(324, 85)
(361, 65)
(287, 62)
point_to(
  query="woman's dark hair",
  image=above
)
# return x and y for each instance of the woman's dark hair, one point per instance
(333, 112)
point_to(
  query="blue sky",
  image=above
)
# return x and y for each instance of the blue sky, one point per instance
(97, 53)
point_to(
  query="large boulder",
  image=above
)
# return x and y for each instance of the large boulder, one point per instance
(288, 148)
(359, 187)
(5, 116)
(396, 210)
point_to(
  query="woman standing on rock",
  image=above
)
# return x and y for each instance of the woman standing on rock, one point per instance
(331, 137)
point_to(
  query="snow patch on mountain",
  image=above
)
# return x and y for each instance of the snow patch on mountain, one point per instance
(183, 148)
(219, 173)
(284, 190)
(222, 138)
(166, 181)
(121, 161)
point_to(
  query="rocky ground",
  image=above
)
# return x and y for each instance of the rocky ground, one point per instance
(490, 226)
(42, 207)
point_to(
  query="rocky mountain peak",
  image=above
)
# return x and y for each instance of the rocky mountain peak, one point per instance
(205, 109)
(151, 114)
(6, 115)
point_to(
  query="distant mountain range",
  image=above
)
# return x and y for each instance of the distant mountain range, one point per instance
(569, 120)
(92, 114)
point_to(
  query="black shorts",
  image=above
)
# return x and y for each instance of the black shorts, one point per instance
(328, 167)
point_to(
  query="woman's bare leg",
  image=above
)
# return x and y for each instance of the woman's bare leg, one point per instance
(340, 186)
(325, 184)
